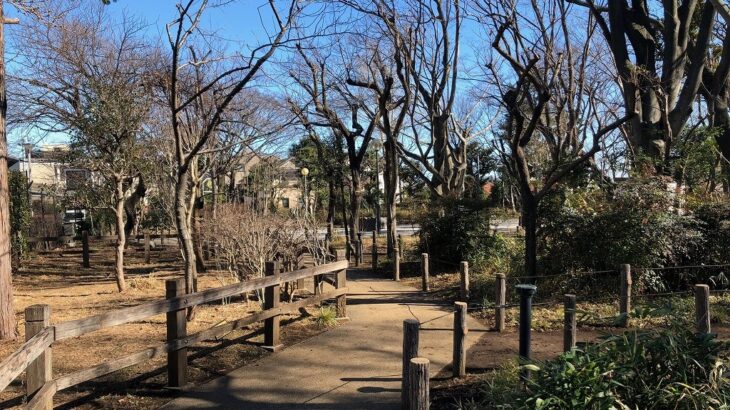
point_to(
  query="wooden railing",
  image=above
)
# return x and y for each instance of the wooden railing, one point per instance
(34, 356)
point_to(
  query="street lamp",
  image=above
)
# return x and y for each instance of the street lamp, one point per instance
(378, 145)
(305, 172)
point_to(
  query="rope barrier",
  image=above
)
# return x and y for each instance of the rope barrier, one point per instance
(683, 267)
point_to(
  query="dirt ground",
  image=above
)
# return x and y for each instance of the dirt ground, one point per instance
(57, 278)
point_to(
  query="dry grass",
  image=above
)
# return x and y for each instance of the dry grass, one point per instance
(56, 278)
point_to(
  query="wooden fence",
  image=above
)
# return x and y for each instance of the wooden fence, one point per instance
(34, 356)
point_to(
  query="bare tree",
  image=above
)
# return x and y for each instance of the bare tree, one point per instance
(201, 86)
(86, 75)
(660, 63)
(544, 71)
(328, 100)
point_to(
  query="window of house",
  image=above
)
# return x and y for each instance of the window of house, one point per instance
(285, 202)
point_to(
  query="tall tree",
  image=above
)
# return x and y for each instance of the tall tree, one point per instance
(201, 86)
(551, 94)
(88, 76)
(659, 62)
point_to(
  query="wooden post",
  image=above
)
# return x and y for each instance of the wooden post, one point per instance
(464, 271)
(419, 389)
(39, 371)
(500, 300)
(356, 245)
(177, 361)
(375, 251)
(424, 272)
(341, 282)
(702, 308)
(410, 351)
(146, 247)
(625, 302)
(570, 328)
(85, 248)
(396, 264)
(271, 300)
(460, 331)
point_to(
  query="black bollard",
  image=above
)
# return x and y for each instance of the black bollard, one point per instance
(526, 292)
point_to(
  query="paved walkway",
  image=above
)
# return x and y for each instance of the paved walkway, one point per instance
(354, 366)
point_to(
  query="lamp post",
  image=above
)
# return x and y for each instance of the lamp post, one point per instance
(377, 144)
(305, 198)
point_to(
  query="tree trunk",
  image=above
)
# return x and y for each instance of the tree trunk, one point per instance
(197, 242)
(331, 204)
(355, 203)
(121, 234)
(529, 221)
(391, 187)
(8, 324)
(183, 231)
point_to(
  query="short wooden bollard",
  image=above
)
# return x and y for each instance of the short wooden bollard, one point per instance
(146, 248)
(424, 272)
(418, 374)
(460, 331)
(625, 301)
(341, 282)
(499, 301)
(570, 324)
(396, 264)
(177, 361)
(702, 308)
(85, 248)
(375, 251)
(272, 296)
(464, 273)
(410, 351)
(39, 371)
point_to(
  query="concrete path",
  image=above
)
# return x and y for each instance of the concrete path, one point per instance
(354, 366)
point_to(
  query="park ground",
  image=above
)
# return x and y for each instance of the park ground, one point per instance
(56, 278)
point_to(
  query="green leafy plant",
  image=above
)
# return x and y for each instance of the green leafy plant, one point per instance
(326, 316)
(19, 214)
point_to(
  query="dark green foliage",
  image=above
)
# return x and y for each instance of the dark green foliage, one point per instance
(634, 222)
(19, 214)
(652, 369)
(461, 234)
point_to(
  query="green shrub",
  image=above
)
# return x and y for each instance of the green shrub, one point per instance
(459, 230)
(19, 214)
(655, 369)
(633, 222)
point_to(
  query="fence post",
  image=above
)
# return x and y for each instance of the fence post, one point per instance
(147, 247)
(272, 294)
(375, 251)
(396, 264)
(526, 292)
(85, 248)
(464, 271)
(358, 248)
(177, 361)
(424, 272)
(40, 370)
(625, 302)
(460, 331)
(341, 282)
(702, 308)
(419, 389)
(410, 350)
(500, 300)
(569, 330)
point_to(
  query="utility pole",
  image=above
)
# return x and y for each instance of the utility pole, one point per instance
(8, 324)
